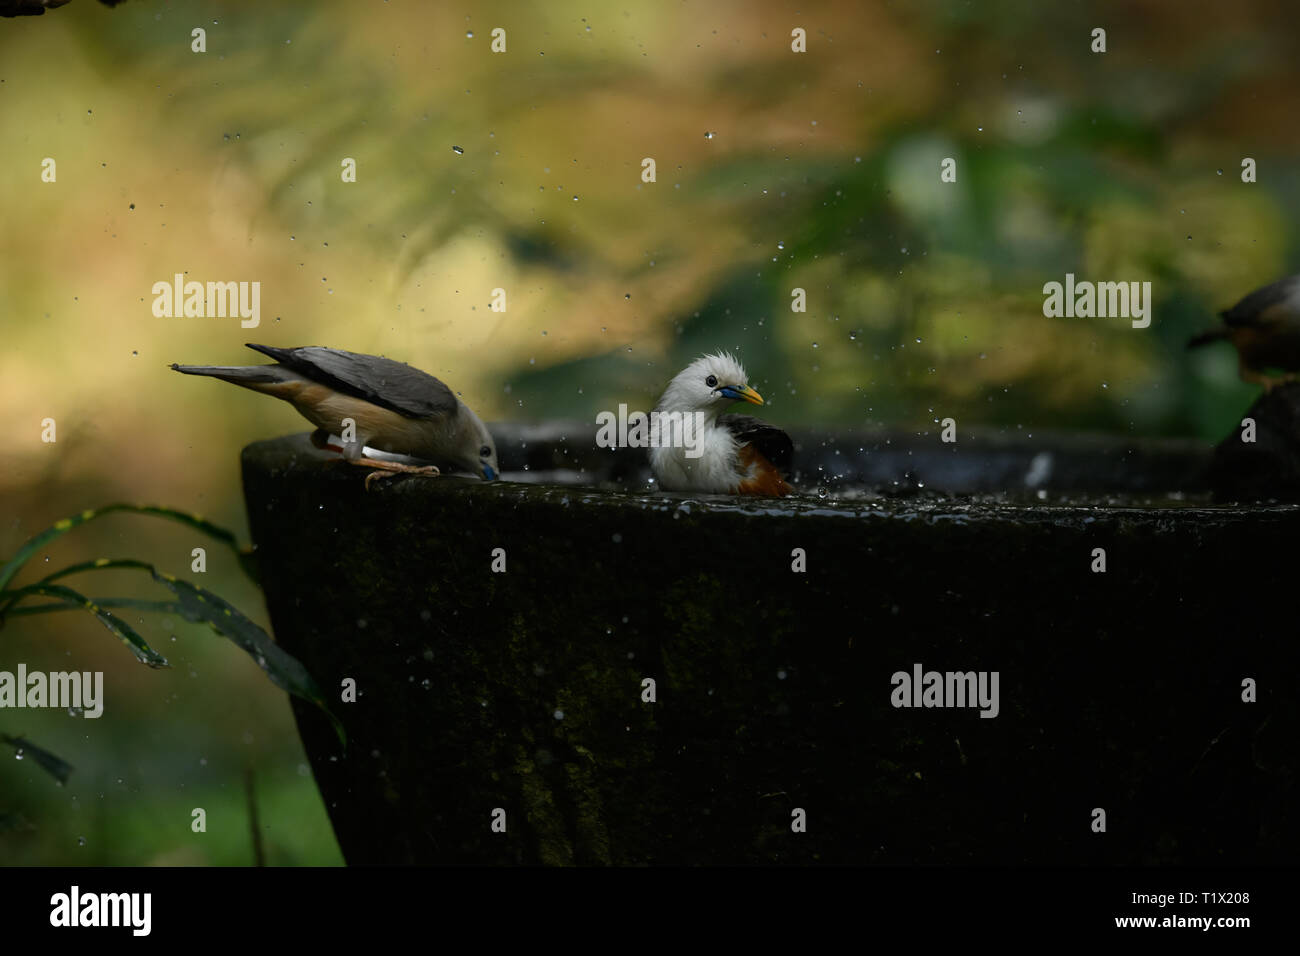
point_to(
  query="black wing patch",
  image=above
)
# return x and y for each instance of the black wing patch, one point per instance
(1246, 312)
(395, 386)
(772, 443)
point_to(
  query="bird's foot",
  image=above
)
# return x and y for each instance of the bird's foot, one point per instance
(1271, 382)
(388, 469)
(1253, 376)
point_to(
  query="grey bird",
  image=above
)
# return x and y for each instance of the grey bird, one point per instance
(392, 407)
(1265, 328)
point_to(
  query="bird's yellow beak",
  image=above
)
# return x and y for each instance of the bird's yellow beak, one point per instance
(742, 393)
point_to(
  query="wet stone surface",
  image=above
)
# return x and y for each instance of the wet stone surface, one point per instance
(523, 690)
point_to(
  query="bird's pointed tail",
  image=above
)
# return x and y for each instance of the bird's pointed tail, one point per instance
(249, 376)
(1205, 338)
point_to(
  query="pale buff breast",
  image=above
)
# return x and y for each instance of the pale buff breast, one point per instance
(375, 426)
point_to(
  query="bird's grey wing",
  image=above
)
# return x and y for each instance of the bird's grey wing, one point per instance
(1264, 305)
(380, 381)
(774, 444)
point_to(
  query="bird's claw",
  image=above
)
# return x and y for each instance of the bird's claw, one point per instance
(425, 471)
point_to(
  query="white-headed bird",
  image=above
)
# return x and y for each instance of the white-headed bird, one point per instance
(737, 454)
(392, 407)
(1265, 328)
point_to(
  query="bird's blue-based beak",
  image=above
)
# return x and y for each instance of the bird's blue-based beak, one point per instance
(488, 473)
(741, 393)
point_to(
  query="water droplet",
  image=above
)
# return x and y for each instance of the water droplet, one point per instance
(469, 34)
(81, 841)
(458, 151)
(1219, 171)
(708, 135)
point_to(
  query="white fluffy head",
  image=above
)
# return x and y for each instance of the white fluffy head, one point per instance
(696, 387)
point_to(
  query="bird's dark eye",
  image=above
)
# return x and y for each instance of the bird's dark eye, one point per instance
(485, 452)
(711, 381)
